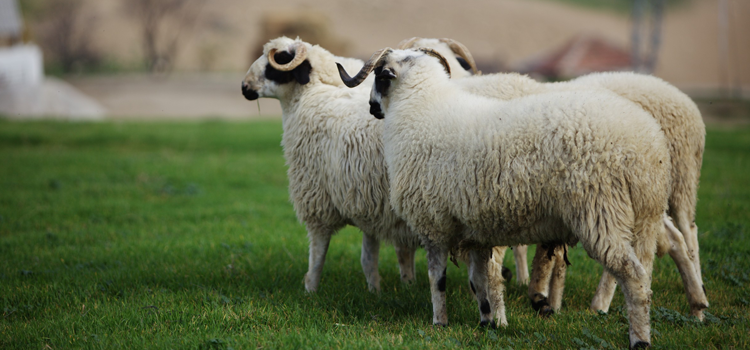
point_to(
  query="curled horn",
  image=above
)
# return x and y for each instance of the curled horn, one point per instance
(407, 43)
(366, 69)
(461, 50)
(300, 54)
(440, 57)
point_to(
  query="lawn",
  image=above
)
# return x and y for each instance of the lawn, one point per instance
(181, 236)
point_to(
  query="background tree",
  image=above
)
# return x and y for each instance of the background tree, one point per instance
(162, 24)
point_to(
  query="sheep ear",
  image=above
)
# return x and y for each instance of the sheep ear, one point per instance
(302, 73)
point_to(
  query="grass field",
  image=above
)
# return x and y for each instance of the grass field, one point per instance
(181, 236)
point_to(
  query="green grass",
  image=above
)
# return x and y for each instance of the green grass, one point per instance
(181, 236)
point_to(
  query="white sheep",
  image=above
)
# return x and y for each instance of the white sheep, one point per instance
(681, 122)
(334, 154)
(473, 172)
(462, 65)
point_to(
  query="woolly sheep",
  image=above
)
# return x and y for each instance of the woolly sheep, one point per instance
(472, 172)
(683, 126)
(333, 151)
(462, 65)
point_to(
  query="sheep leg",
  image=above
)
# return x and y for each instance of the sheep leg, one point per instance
(496, 287)
(405, 256)
(557, 282)
(604, 292)
(690, 234)
(369, 260)
(690, 280)
(520, 253)
(631, 266)
(437, 263)
(478, 279)
(542, 268)
(319, 237)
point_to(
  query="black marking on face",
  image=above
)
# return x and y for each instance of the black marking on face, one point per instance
(375, 110)
(465, 65)
(441, 282)
(383, 78)
(485, 307)
(283, 57)
(473, 290)
(301, 74)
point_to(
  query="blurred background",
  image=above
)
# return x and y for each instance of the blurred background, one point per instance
(184, 59)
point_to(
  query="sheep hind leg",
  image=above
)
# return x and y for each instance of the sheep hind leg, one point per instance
(690, 234)
(405, 256)
(690, 280)
(369, 261)
(542, 268)
(631, 266)
(320, 237)
(437, 263)
(604, 293)
(479, 280)
(520, 253)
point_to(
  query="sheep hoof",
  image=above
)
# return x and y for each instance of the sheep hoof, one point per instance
(507, 274)
(485, 323)
(440, 325)
(641, 345)
(538, 302)
(546, 311)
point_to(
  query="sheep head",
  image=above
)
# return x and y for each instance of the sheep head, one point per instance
(284, 61)
(458, 55)
(388, 65)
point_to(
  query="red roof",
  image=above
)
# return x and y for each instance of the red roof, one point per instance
(581, 55)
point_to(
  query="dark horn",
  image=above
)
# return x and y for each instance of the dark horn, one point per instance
(366, 69)
(440, 57)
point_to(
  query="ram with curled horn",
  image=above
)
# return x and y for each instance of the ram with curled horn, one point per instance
(300, 54)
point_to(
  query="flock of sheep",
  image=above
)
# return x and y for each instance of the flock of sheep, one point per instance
(464, 164)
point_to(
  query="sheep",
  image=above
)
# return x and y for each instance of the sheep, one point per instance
(472, 172)
(683, 126)
(462, 65)
(333, 151)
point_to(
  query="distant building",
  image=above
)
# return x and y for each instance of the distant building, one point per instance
(24, 91)
(581, 55)
(11, 24)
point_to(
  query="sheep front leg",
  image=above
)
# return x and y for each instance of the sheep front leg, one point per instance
(557, 281)
(319, 237)
(369, 260)
(496, 286)
(520, 253)
(478, 278)
(405, 256)
(437, 263)
(691, 281)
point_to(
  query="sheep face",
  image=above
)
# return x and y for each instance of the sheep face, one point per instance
(284, 64)
(399, 67)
